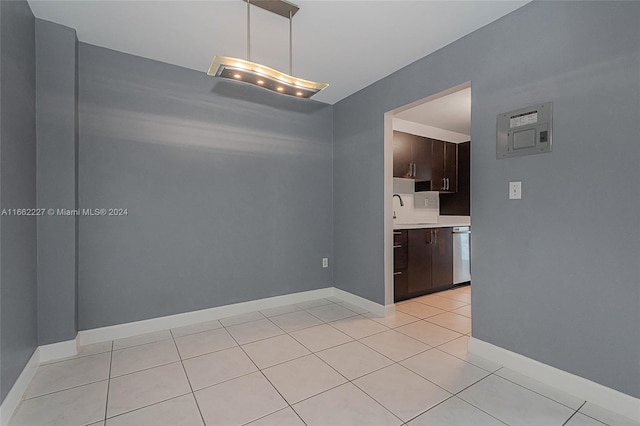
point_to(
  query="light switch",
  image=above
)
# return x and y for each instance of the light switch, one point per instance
(515, 190)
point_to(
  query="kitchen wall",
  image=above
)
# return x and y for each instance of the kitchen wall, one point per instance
(416, 207)
(18, 303)
(555, 274)
(228, 190)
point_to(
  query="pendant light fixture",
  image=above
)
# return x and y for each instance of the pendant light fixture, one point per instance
(260, 75)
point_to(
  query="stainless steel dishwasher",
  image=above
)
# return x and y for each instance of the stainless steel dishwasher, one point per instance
(461, 254)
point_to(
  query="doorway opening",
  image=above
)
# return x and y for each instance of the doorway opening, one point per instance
(427, 150)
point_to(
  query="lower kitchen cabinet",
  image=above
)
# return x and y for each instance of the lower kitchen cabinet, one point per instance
(400, 263)
(442, 259)
(429, 262)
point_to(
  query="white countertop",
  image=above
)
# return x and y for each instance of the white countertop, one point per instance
(443, 222)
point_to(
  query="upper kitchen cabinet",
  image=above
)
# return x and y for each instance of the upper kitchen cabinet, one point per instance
(444, 163)
(459, 203)
(432, 163)
(411, 156)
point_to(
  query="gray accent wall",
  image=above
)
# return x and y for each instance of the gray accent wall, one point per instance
(56, 97)
(18, 286)
(228, 190)
(555, 275)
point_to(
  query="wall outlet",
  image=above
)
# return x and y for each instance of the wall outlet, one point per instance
(325, 262)
(515, 190)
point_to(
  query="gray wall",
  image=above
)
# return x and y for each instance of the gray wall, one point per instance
(228, 190)
(555, 274)
(56, 98)
(18, 291)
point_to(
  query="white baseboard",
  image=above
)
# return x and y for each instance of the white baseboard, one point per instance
(611, 399)
(373, 307)
(14, 397)
(58, 350)
(120, 331)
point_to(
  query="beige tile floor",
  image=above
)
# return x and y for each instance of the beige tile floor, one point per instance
(322, 362)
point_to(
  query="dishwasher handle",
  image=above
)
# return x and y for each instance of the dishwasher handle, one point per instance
(461, 230)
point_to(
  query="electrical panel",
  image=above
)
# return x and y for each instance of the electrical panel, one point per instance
(524, 131)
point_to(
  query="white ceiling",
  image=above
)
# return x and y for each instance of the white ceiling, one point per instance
(451, 112)
(348, 44)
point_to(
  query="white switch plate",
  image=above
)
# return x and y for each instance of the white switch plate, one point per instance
(325, 262)
(515, 190)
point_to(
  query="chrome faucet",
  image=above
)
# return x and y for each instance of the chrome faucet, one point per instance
(401, 203)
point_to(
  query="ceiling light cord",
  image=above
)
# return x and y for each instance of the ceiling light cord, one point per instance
(248, 30)
(290, 36)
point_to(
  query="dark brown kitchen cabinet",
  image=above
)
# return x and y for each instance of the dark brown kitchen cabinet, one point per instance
(411, 156)
(459, 203)
(444, 166)
(442, 259)
(429, 266)
(432, 163)
(420, 262)
(402, 155)
(400, 263)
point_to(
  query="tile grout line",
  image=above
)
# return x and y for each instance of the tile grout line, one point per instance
(464, 360)
(262, 372)
(193, 394)
(448, 328)
(106, 403)
(574, 413)
(73, 358)
(457, 337)
(473, 405)
(591, 417)
(277, 411)
(524, 387)
(144, 406)
(535, 391)
(65, 389)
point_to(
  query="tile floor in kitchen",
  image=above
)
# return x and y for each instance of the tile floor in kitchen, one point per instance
(322, 362)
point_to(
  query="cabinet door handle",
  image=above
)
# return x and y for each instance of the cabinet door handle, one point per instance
(397, 233)
(397, 273)
(444, 183)
(397, 246)
(414, 170)
(435, 237)
(447, 180)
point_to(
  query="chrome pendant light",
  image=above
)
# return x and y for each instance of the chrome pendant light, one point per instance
(260, 75)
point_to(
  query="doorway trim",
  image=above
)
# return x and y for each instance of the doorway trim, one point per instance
(388, 184)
